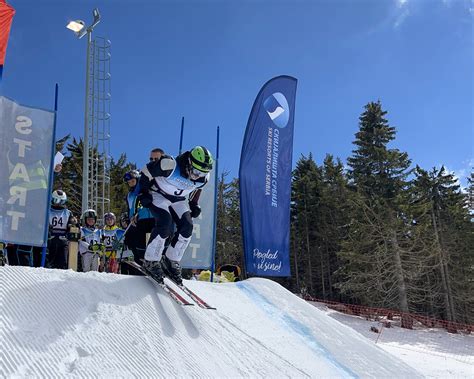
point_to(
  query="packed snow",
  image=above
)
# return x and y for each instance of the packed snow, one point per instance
(57, 323)
(434, 352)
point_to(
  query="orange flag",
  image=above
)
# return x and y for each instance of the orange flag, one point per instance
(6, 16)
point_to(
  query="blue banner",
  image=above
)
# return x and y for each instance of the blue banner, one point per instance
(265, 179)
(26, 147)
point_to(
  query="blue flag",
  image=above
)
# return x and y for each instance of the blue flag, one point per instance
(265, 179)
(26, 146)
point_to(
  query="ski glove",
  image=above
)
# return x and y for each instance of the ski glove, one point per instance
(96, 247)
(195, 209)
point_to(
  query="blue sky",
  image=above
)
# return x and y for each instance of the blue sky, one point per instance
(206, 61)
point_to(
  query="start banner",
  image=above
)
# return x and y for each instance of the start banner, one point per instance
(26, 146)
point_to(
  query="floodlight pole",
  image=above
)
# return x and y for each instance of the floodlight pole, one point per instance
(85, 142)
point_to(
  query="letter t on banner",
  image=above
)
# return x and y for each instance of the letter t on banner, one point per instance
(265, 179)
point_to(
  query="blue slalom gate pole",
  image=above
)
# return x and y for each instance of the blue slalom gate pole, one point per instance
(51, 175)
(214, 223)
(181, 136)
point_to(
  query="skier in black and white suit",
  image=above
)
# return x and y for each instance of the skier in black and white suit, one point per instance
(60, 220)
(165, 185)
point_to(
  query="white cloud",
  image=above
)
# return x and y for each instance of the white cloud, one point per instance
(400, 18)
(401, 13)
(405, 8)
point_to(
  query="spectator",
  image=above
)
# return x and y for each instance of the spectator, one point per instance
(24, 255)
(60, 219)
(90, 245)
(110, 236)
(195, 274)
(231, 269)
(156, 154)
(3, 254)
(141, 218)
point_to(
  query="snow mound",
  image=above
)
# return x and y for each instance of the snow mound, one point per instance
(63, 323)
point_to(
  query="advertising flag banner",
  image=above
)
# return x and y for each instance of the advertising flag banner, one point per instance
(265, 179)
(6, 17)
(26, 146)
(199, 252)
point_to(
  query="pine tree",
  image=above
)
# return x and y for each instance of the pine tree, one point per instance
(119, 189)
(376, 170)
(471, 193)
(70, 177)
(374, 251)
(229, 237)
(334, 219)
(449, 234)
(306, 196)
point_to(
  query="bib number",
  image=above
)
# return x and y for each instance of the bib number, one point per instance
(57, 221)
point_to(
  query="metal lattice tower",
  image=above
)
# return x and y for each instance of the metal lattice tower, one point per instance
(99, 126)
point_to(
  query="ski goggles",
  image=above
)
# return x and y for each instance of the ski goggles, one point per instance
(196, 174)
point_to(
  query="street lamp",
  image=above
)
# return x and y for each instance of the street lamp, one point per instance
(79, 28)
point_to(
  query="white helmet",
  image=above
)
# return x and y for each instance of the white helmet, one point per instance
(109, 215)
(58, 197)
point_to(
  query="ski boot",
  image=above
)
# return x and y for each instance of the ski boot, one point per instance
(172, 269)
(154, 268)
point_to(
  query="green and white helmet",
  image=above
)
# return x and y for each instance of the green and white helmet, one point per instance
(201, 159)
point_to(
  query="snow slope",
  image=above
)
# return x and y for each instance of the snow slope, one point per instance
(58, 323)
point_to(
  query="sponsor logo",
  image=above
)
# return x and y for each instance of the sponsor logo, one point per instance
(266, 261)
(277, 109)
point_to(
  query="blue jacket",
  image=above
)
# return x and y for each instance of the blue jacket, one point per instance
(133, 205)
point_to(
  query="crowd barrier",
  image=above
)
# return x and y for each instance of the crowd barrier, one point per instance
(386, 316)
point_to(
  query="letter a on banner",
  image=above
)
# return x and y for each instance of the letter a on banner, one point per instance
(265, 179)
(26, 145)
(6, 16)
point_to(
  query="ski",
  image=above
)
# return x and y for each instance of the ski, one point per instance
(169, 290)
(197, 299)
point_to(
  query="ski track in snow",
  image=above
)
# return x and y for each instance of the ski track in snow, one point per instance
(58, 323)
